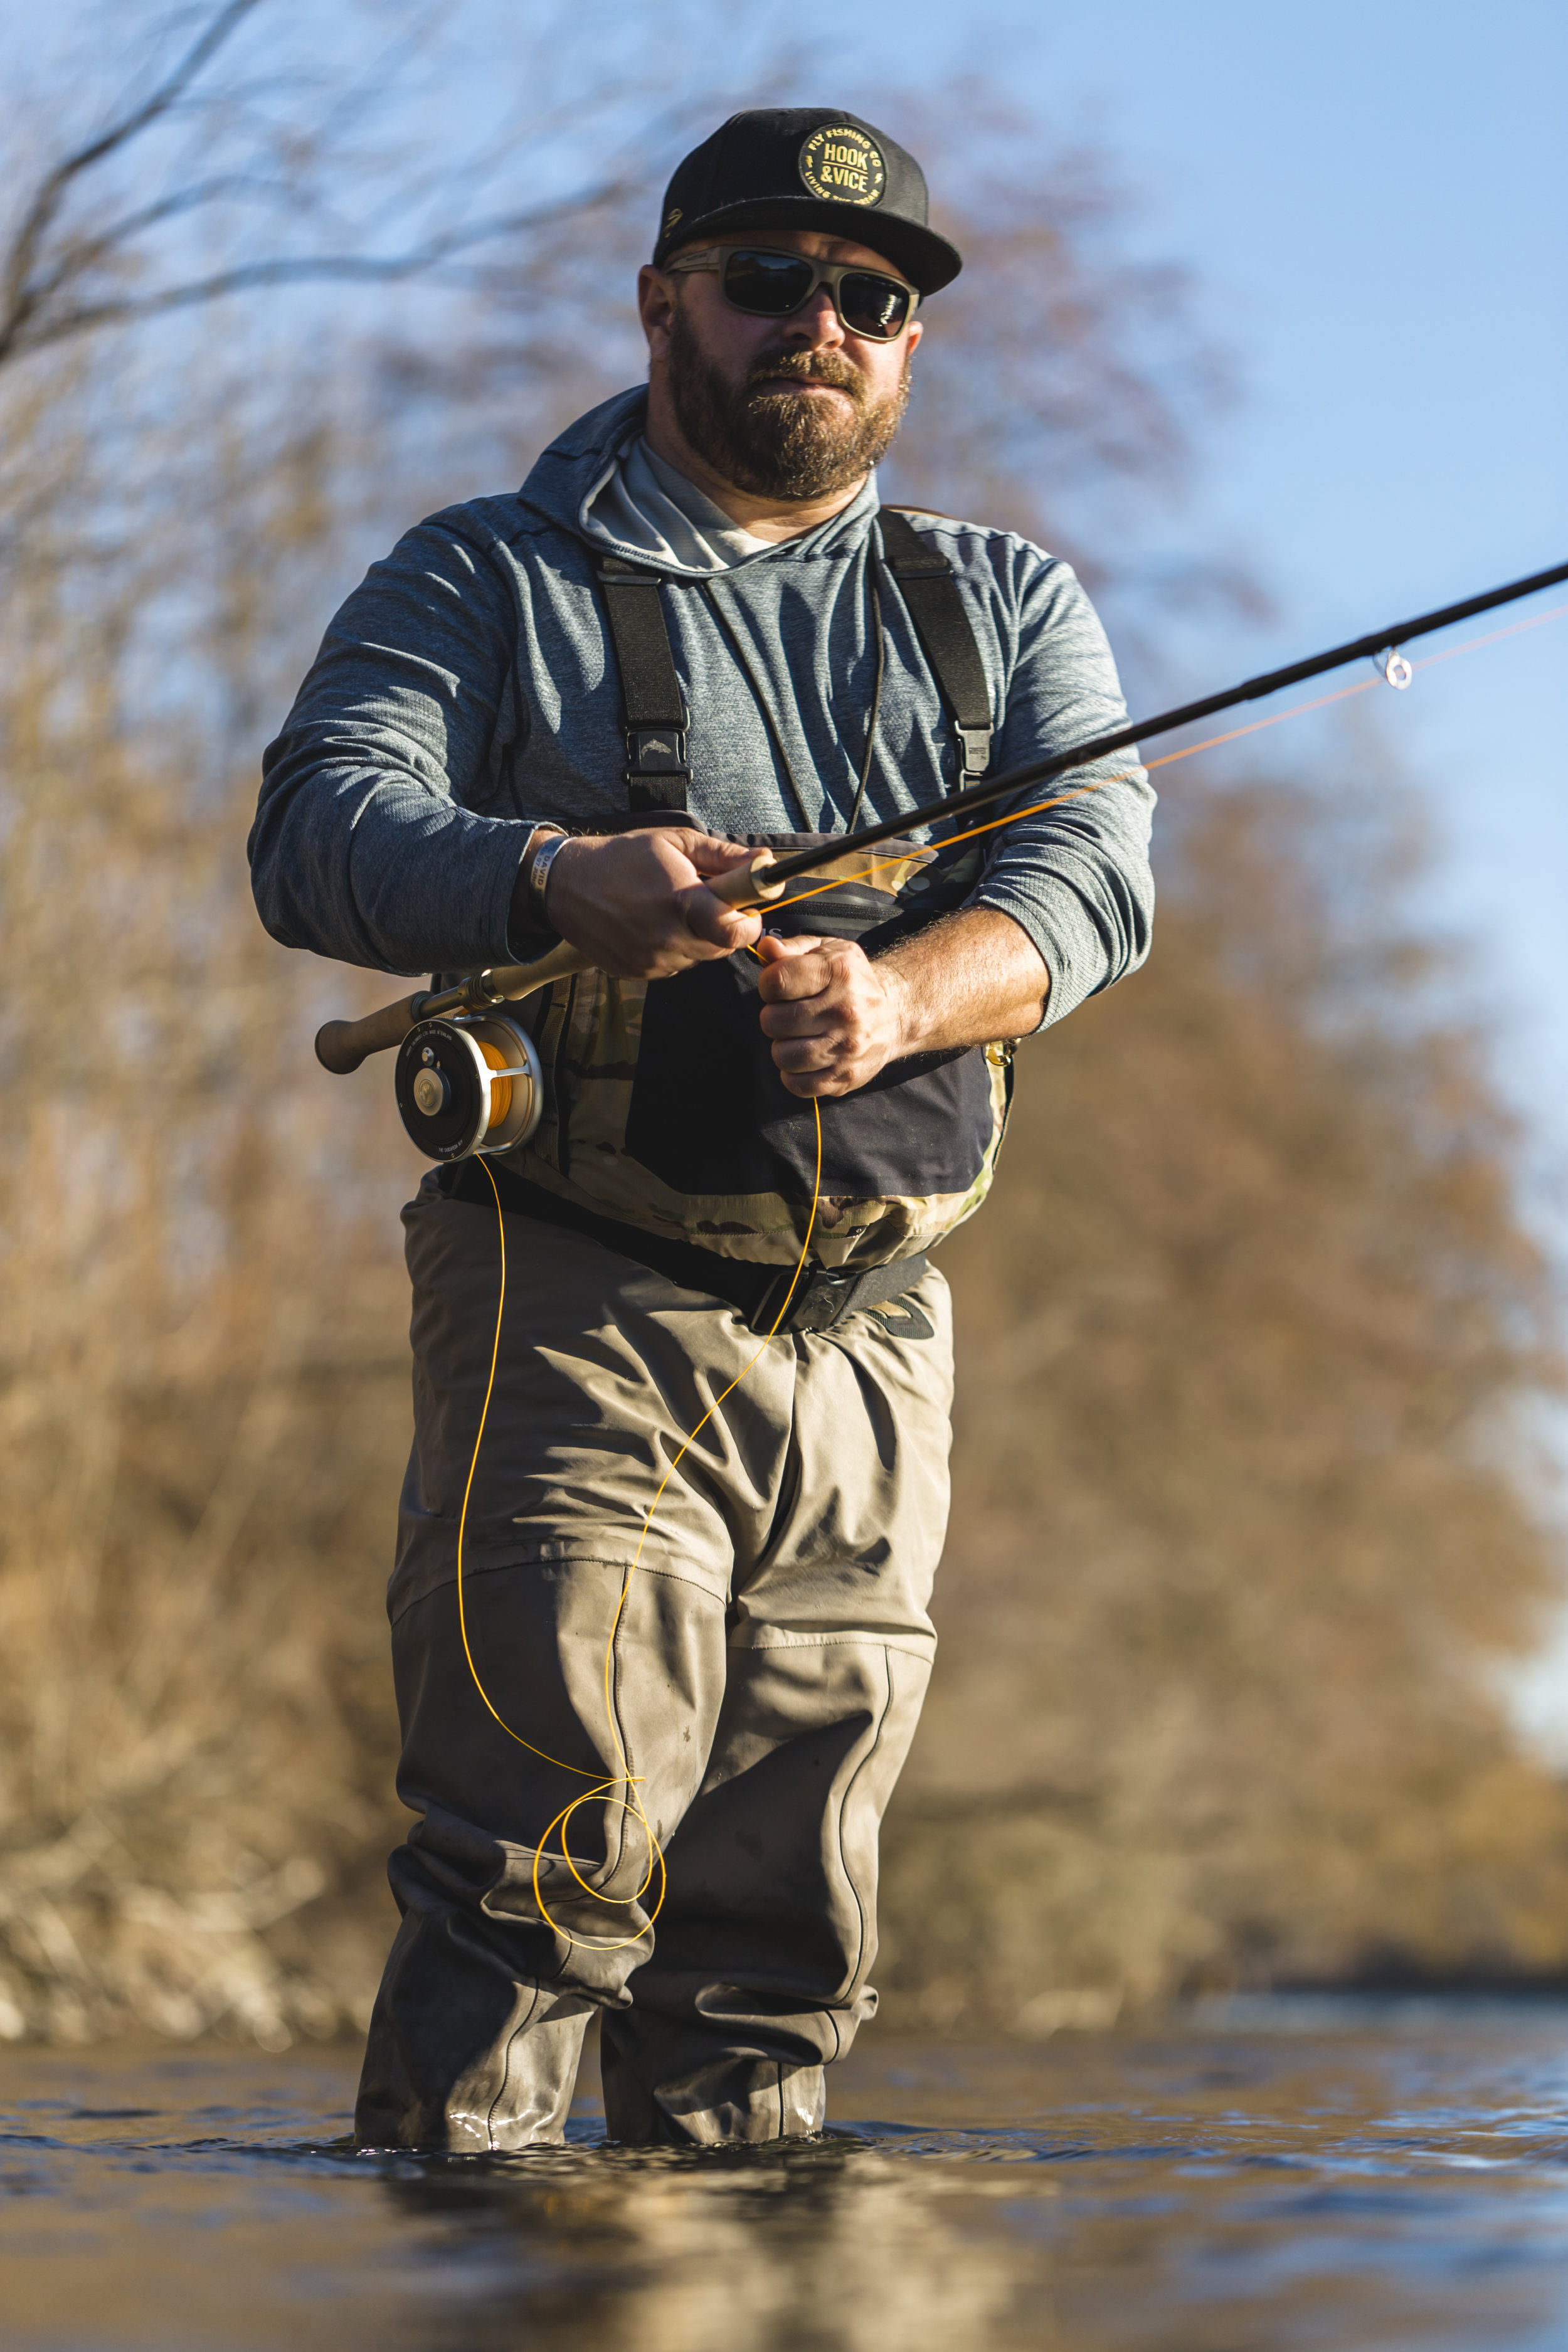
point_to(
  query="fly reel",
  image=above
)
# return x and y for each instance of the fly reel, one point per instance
(470, 1083)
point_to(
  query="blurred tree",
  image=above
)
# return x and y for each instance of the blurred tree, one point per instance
(200, 1390)
(1249, 1330)
(203, 1382)
(1068, 379)
(1247, 1313)
(221, 144)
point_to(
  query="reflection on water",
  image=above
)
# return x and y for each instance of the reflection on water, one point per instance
(1326, 2175)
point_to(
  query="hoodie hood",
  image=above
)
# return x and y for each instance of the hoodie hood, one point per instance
(569, 482)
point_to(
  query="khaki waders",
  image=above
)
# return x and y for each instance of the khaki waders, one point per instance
(767, 1675)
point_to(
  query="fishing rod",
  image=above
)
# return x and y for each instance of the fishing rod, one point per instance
(471, 1078)
(1100, 747)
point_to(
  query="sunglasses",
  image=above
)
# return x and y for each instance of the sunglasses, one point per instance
(773, 285)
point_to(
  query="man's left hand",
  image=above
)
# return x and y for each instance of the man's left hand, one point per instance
(835, 1017)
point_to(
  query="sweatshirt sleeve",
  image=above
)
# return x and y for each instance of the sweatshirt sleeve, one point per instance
(1076, 876)
(368, 845)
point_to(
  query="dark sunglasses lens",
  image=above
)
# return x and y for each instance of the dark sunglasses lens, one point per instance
(771, 284)
(873, 306)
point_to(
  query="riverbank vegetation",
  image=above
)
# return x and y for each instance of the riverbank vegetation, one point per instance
(1244, 1513)
(1251, 1332)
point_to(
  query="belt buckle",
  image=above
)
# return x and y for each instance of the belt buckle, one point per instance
(824, 1299)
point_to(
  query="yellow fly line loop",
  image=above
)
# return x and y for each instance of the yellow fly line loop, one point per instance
(602, 1788)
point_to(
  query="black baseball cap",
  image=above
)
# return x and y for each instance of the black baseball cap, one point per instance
(807, 167)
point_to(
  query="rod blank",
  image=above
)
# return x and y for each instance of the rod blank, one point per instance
(1100, 747)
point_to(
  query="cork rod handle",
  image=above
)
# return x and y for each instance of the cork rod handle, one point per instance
(343, 1046)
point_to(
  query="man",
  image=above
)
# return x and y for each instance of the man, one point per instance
(650, 1768)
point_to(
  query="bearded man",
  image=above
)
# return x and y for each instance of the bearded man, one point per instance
(650, 1769)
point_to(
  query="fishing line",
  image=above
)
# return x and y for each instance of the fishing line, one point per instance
(1382, 644)
(602, 1787)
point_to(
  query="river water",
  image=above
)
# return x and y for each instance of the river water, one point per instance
(1265, 2176)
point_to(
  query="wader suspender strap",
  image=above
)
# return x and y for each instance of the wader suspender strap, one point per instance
(655, 717)
(657, 773)
(928, 589)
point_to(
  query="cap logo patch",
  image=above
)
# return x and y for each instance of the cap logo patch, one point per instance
(841, 165)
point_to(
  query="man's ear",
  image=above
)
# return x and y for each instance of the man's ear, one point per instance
(656, 299)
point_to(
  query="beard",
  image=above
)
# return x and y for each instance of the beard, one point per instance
(780, 444)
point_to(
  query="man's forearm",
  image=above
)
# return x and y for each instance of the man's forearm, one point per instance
(972, 976)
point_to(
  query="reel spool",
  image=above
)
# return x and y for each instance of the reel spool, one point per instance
(469, 1083)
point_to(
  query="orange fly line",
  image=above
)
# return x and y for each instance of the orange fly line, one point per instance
(602, 1788)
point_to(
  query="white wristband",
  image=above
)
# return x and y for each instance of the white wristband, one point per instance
(538, 874)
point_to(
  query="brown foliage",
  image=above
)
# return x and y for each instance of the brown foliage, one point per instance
(200, 1390)
(1240, 1513)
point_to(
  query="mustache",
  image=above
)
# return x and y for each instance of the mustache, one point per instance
(808, 367)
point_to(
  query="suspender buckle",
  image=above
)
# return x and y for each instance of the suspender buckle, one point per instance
(653, 708)
(656, 751)
(976, 742)
(946, 633)
(658, 772)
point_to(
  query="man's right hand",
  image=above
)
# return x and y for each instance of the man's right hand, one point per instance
(637, 903)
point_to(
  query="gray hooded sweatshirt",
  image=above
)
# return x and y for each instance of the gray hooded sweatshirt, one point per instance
(467, 690)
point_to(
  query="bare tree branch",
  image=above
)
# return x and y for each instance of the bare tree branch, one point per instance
(21, 298)
(290, 169)
(61, 281)
(301, 268)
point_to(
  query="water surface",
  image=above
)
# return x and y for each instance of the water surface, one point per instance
(1272, 2175)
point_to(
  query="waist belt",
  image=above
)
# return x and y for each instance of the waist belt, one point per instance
(822, 1297)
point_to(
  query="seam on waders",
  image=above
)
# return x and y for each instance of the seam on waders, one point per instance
(781, 1638)
(520, 2027)
(619, 1730)
(791, 1482)
(844, 1807)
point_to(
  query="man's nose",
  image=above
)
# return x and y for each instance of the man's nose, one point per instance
(814, 326)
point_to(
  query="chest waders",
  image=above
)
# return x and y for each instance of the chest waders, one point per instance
(649, 1116)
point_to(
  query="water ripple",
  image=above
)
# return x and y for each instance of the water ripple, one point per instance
(1257, 2182)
